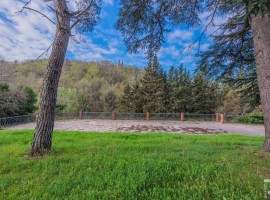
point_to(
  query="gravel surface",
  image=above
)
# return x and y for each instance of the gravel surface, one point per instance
(152, 126)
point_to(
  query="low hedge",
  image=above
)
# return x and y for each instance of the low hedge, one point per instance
(252, 118)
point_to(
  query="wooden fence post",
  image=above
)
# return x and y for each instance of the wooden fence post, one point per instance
(113, 116)
(80, 115)
(147, 116)
(182, 116)
(222, 118)
(217, 117)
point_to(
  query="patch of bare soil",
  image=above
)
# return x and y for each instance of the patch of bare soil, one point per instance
(173, 129)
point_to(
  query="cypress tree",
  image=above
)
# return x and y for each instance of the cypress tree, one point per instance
(136, 98)
(203, 95)
(183, 93)
(171, 88)
(153, 88)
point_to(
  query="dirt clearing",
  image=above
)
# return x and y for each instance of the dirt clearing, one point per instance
(152, 126)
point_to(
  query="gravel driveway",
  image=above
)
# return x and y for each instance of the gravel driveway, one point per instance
(152, 126)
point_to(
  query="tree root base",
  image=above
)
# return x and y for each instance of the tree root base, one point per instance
(38, 153)
(266, 145)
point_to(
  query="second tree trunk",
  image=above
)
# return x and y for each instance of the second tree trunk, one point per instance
(261, 36)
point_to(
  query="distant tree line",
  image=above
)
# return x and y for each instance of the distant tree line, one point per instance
(178, 91)
(106, 87)
(174, 92)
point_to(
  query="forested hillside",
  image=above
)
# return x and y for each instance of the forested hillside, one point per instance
(83, 86)
(105, 87)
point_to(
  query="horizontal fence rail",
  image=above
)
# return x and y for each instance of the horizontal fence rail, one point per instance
(165, 116)
(200, 117)
(66, 116)
(231, 118)
(248, 119)
(12, 121)
(130, 116)
(97, 115)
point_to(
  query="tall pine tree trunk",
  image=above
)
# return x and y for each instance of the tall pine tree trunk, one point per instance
(42, 141)
(261, 36)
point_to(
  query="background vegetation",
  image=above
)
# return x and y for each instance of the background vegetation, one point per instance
(16, 102)
(105, 87)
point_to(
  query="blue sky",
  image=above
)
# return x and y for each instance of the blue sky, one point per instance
(26, 36)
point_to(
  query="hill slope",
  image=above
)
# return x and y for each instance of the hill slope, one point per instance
(82, 84)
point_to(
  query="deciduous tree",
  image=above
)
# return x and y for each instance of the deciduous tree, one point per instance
(110, 101)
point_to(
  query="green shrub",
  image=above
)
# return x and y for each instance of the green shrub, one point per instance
(15, 102)
(252, 118)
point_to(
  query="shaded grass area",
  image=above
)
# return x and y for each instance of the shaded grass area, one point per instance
(134, 166)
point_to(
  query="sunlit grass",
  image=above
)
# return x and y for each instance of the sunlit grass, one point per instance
(133, 166)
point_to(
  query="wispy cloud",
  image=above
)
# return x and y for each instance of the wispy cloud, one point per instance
(180, 36)
(169, 51)
(25, 36)
(108, 2)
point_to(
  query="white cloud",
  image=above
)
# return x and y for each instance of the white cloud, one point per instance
(86, 50)
(108, 2)
(27, 35)
(169, 51)
(180, 36)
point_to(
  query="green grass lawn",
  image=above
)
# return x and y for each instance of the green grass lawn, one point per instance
(134, 166)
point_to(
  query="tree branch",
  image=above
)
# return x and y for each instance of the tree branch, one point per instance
(205, 28)
(45, 52)
(79, 16)
(75, 23)
(25, 5)
(28, 8)
(51, 8)
(78, 13)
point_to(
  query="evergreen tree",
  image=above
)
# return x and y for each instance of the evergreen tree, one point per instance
(131, 99)
(203, 97)
(182, 92)
(166, 93)
(153, 88)
(136, 98)
(170, 89)
(127, 100)
(144, 25)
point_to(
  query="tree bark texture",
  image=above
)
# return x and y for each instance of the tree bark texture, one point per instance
(42, 140)
(261, 37)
